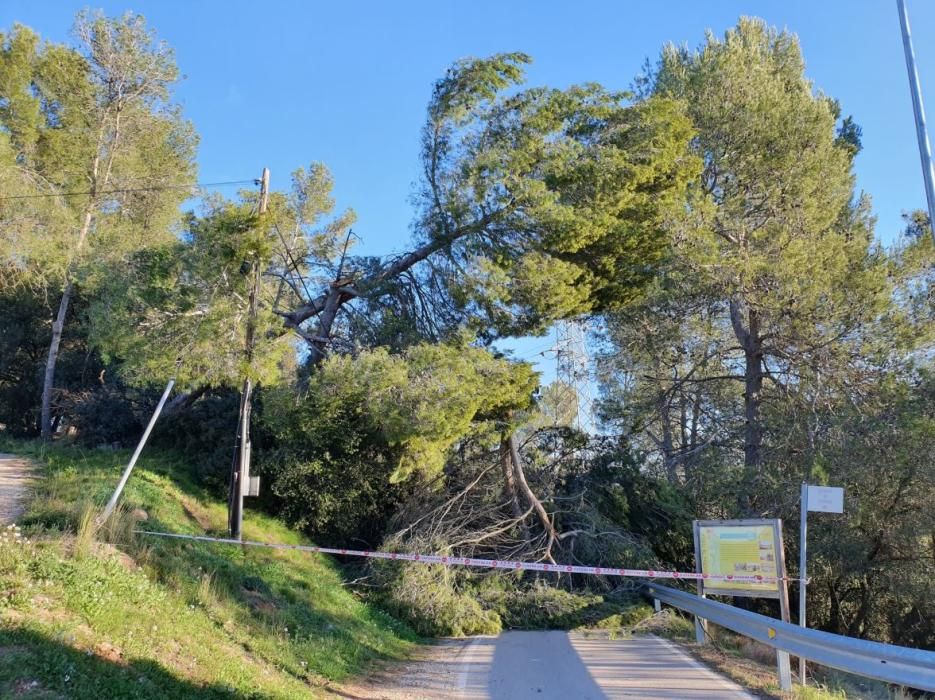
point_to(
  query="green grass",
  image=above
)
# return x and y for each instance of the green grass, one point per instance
(150, 617)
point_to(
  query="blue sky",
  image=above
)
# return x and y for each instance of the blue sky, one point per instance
(284, 83)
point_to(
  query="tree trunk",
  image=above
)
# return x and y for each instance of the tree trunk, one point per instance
(669, 460)
(48, 379)
(689, 464)
(328, 304)
(183, 402)
(319, 342)
(509, 479)
(750, 340)
(753, 428)
(531, 497)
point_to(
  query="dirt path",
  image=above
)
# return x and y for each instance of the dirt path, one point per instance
(16, 477)
(549, 665)
(433, 674)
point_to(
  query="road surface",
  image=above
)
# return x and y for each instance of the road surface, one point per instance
(551, 666)
(16, 475)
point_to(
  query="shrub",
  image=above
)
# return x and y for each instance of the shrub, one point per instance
(328, 465)
(107, 416)
(431, 600)
(544, 606)
(205, 434)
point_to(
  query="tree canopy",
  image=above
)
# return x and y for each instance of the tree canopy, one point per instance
(753, 331)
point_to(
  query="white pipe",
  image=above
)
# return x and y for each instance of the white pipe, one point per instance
(112, 503)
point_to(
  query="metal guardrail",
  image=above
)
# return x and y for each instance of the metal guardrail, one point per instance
(914, 668)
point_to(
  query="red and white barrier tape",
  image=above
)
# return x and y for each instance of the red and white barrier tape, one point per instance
(483, 563)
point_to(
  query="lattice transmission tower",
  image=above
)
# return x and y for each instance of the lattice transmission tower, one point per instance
(574, 372)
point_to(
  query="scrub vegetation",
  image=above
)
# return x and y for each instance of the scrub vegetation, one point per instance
(750, 332)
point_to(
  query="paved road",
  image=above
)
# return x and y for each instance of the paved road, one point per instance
(553, 666)
(16, 475)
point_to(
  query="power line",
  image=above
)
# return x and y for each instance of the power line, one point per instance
(529, 353)
(154, 188)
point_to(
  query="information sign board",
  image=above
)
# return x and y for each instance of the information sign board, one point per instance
(825, 499)
(742, 548)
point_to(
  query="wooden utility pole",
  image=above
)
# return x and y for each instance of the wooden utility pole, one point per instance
(240, 481)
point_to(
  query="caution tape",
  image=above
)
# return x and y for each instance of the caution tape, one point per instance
(481, 563)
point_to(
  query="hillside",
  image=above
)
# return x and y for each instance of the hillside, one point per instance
(118, 615)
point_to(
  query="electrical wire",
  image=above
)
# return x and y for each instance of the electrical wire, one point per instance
(154, 188)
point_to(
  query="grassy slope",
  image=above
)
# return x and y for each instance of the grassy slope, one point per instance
(161, 618)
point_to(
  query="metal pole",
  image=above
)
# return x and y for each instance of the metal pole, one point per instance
(803, 536)
(112, 503)
(925, 148)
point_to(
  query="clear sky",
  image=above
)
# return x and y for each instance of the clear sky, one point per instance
(284, 83)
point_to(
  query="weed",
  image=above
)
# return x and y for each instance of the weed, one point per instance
(86, 532)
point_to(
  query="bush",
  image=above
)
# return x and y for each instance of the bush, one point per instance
(431, 600)
(205, 434)
(106, 416)
(441, 601)
(328, 465)
(543, 606)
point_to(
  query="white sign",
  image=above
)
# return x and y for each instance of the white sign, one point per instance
(826, 499)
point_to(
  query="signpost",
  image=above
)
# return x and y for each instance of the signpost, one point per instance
(744, 547)
(822, 499)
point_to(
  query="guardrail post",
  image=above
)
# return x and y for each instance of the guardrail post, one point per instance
(701, 629)
(785, 670)
(657, 605)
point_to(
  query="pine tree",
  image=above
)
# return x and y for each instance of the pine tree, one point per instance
(93, 131)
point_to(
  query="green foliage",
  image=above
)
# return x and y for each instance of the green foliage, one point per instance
(109, 415)
(90, 395)
(99, 113)
(428, 398)
(181, 310)
(204, 434)
(757, 335)
(330, 430)
(541, 605)
(422, 401)
(781, 343)
(99, 156)
(648, 508)
(242, 623)
(24, 339)
(773, 277)
(872, 566)
(549, 203)
(439, 601)
(378, 420)
(780, 253)
(431, 600)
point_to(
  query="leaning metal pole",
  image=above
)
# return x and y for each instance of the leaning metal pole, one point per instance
(112, 503)
(925, 148)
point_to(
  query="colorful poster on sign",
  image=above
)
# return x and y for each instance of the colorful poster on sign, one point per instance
(740, 550)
